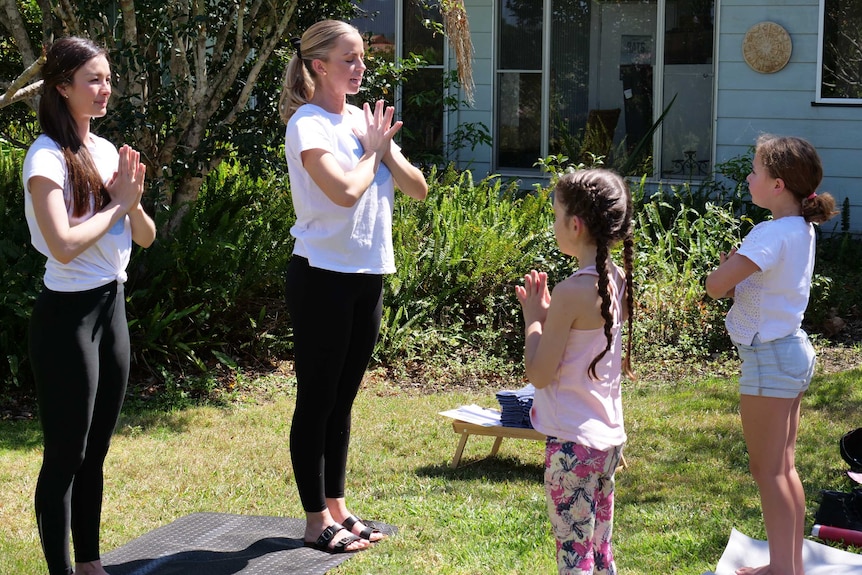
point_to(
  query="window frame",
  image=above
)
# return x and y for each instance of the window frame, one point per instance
(821, 39)
(544, 89)
(442, 68)
(399, 53)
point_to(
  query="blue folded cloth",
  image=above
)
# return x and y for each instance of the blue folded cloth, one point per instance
(515, 406)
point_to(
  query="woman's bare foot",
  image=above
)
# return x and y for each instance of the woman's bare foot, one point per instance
(90, 568)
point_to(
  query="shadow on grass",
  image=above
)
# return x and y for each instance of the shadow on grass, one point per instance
(137, 421)
(27, 434)
(489, 469)
(839, 395)
(22, 434)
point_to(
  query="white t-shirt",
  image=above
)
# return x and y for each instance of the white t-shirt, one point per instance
(351, 240)
(104, 261)
(772, 302)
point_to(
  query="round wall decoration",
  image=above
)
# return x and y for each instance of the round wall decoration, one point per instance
(766, 47)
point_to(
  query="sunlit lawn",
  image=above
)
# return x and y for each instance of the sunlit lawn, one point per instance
(686, 485)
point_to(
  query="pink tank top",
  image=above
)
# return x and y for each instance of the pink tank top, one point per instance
(574, 407)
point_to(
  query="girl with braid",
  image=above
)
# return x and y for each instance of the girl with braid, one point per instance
(573, 357)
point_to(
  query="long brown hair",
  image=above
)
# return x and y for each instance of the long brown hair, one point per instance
(62, 60)
(602, 200)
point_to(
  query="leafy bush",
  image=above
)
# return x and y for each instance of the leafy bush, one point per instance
(211, 291)
(209, 294)
(459, 254)
(209, 297)
(838, 257)
(21, 270)
(677, 244)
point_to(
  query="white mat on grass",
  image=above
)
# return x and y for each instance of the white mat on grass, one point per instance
(818, 559)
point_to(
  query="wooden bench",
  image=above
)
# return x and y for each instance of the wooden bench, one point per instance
(497, 431)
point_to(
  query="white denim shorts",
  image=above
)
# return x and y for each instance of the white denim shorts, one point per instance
(780, 368)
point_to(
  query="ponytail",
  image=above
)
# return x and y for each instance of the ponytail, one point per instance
(297, 88)
(796, 162)
(818, 208)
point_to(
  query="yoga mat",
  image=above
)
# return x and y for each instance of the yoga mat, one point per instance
(225, 544)
(818, 559)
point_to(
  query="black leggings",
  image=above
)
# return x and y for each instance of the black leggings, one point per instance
(79, 348)
(336, 320)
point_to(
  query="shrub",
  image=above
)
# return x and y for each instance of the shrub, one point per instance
(459, 254)
(212, 291)
(677, 245)
(21, 270)
(210, 296)
(207, 294)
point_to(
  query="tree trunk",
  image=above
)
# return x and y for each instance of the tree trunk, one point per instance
(185, 194)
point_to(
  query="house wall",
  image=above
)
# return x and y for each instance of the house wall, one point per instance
(747, 102)
(750, 103)
(480, 15)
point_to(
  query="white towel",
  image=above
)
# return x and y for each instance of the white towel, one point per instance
(818, 559)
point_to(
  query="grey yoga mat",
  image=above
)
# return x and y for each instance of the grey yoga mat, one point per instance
(225, 544)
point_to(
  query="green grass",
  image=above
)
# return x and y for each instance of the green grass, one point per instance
(686, 485)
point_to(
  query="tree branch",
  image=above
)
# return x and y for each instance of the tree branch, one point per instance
(66, 12)
(15, 92)
(14, 23)
(263, 56)
(200, 55)
(30, 91)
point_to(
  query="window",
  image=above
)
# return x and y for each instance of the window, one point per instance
(422, 94)
(519, 84)
(581, 77)
(395, 30)
(687, 80)
(840, 62)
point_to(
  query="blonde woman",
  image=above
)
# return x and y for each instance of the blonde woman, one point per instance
(344, 169)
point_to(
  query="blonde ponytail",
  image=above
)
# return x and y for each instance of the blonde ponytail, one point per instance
(297, 87)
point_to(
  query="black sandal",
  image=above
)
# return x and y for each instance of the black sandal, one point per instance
(340, 546)
(366, 533)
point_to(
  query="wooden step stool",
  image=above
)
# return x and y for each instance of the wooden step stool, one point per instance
(498, 431)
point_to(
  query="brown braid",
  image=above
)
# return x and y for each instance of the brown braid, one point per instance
(602, 200)
(602, 269)
(628, 257)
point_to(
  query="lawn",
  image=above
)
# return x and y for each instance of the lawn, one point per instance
(686, 485)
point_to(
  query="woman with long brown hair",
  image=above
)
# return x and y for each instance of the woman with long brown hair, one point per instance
(82, 204)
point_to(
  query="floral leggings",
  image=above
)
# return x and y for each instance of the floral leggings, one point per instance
(579, 485)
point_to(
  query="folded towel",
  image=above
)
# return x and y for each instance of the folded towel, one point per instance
(515, 406)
